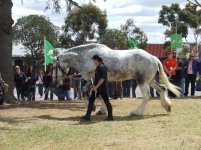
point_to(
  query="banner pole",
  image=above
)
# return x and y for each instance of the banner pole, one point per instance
(45, 52)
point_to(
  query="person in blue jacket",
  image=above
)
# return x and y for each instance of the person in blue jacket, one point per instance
(191, 67)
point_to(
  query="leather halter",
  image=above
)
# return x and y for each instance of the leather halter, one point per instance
(58, 67)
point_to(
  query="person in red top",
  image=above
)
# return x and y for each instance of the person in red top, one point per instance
(170, 66)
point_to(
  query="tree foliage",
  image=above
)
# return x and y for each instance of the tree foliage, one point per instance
(169, 16)
(194, 2)
(88, 21)
(30, 31)
(129, 28)
(118, 38)
(191, 15)
(56, 5)
(115, 39)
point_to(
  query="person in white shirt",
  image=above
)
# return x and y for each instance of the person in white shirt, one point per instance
(40, 83)
(191, 68)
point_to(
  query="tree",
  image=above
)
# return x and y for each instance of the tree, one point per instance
(194, 2)
(6, 23)
(56, 4)
(88, 21)
(169, 16)
(130, 29)
(191, 16)
(30, 31)
(115, 38)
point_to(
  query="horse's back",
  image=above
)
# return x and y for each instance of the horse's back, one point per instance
(122, 64)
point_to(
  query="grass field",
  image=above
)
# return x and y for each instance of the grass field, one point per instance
(55, 125)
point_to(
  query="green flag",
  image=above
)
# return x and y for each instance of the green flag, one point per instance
(49, 52)
(176, 41)
(132, 42)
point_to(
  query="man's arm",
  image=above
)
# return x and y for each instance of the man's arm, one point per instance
(98, 84)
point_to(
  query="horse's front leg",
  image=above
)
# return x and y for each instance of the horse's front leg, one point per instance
(146, 96)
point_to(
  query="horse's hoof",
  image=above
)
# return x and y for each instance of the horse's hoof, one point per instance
(168, 109)
(135, 113)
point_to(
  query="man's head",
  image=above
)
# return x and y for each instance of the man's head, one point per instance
(96, 59)
(191, 56)
(17, 69)
(170, 54)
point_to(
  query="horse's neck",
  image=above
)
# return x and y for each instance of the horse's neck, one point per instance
(73, 64)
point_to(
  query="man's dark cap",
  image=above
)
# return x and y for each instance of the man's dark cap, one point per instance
(96, 57)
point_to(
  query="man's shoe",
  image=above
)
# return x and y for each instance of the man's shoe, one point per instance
(109, 119)
(85, 118)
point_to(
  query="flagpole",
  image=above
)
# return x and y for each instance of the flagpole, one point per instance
(45, 51)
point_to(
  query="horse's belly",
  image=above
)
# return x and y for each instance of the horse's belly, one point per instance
(119, 76)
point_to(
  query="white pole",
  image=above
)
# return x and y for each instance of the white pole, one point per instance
(45, 52)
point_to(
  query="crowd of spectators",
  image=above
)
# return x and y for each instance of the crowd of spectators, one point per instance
(181, 71)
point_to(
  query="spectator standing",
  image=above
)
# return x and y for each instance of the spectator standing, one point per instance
(19, 79)
(191, 68)
(110, 90)
(134, 86)
(179, 76)
(76, 82)
(126, 85)
(181, 66)
(31, 83)
(170, 66)
(63, 91)
(47, 81)
(118, 91)
(40, 83)
(3, 89)
(152, 89)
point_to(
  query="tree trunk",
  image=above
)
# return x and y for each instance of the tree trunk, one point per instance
(6, 47)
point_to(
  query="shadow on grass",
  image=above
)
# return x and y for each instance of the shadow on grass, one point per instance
(16, 120)
(67, 105)
(96, 119)
(7, 128)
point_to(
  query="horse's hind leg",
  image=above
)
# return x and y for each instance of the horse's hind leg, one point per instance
(146, 96)
(102, 110)
(165, 102)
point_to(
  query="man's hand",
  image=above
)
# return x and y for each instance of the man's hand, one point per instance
(94, 88)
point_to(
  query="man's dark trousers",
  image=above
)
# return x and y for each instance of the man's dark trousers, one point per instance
(92, 98)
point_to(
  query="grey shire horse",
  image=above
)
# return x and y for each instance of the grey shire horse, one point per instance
(122, 65)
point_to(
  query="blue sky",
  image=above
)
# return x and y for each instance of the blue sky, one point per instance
(144, 12)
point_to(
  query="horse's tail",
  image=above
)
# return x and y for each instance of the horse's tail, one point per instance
(174, 89)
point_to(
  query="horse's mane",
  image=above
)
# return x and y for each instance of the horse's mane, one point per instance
(84, 47)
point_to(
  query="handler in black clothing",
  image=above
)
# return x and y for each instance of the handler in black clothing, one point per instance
(101, 87)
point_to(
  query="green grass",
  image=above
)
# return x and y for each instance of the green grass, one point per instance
(56, 126)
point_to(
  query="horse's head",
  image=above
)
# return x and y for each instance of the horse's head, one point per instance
(61, 66)
(59, 71)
